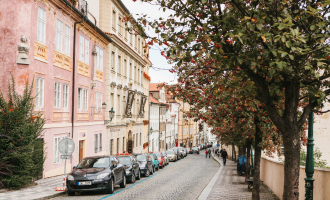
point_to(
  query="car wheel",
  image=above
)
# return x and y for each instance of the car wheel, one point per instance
(147, 173)
(111, 187)
(139, 175)
(123, 183)
(70, 193)
(133, 177)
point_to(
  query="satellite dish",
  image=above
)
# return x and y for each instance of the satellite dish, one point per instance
(66, 146)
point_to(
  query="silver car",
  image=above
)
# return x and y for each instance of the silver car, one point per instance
(166, 158)
(172, 155)
(180, 151)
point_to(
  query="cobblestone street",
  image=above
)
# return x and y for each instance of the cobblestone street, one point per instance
(184, 179)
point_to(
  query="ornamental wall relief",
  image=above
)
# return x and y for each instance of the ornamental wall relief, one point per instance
(23, 50)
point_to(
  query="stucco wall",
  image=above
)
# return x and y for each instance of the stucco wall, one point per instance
(272, 174)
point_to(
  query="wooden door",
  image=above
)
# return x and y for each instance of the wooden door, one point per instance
(81, 149)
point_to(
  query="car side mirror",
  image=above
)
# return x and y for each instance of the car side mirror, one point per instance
(74, 167)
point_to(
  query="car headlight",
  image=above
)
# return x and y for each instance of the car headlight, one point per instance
(102, 176)
(70, 178)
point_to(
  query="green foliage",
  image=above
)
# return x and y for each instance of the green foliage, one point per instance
(21, 149)
(318, 162)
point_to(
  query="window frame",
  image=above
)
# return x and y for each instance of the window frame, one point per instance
(39, 94)
(85, 99)
(100, 142)
(80, 98)
(57, 94)
(67, 39)
(95, 143)
(59, 35)
(44, 22)
(56, 150)
(65, 96)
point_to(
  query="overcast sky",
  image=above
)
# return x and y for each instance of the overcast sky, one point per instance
(157, 60)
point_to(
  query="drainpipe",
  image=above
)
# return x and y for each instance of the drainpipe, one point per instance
(74, 72)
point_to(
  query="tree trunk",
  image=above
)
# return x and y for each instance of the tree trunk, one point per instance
(248, 155)
(291, 165)
(234, 154)
(256, 179)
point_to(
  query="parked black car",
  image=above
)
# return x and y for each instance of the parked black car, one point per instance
(98, 173)
(131, 166)
(145, 162)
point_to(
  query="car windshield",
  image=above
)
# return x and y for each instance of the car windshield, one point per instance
(125, 160)
(180, 148)
(170, 152)
(158, 155)
(194, 148)
(163, 153)
(141, 158)
(94, 163)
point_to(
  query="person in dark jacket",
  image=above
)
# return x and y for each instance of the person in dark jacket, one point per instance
(224, 155)
(209, 153)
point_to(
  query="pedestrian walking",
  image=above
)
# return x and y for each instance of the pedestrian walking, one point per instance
(206, 153)
(209, 153)
(224, 155)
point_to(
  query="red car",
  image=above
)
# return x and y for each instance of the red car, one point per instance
(161, 158)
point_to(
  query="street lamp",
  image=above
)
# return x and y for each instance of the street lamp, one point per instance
(173, 120)
(111, 115)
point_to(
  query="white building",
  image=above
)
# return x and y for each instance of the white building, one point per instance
(172, 120)
(154, 136)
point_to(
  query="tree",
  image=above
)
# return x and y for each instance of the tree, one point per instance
(279, 45)
(235, 117)
(21, 149)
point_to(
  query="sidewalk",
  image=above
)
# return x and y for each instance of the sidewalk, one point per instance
(44, 189)
(228, 185)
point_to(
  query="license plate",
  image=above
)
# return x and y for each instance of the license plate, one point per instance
(85, 183)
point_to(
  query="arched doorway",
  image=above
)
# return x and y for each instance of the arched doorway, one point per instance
(130, 142)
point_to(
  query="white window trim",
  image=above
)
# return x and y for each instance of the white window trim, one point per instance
(43, 40)
(59, 32)
(57, 95)
(56, 150)
(65, 95)
(40, 92)
(100, 142)
(85, 99)
(96, 143)
(80, 98)
(67, 38)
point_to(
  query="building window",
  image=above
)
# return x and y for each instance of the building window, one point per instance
(118, 105)
(59, 33)
(57, 95)
(56, 151)
(80, 98)
(65, 95)
(85, 99)
(123, 144)
(112, 60)
(140, 139)
(111, 146)
(67, 40)
(95, 143)
(84, 49)
(40, 88)
(41, 35)
(117, 145)
(131, 39)
(130, 71)
(99, 58)
(114, 20)
(126, 30)
(125, 68)
(137, 140)
(119, 65)
(98, 101)
(119, 25)
(139, 45)
(100, 146)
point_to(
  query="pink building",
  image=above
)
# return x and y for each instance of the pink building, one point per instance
(69, 82)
